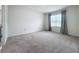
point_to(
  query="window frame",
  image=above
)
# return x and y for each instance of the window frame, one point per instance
(53, 15)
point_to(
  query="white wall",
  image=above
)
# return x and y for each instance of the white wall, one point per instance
(46, 26)
(4, 24)
(22, 20)
(0, 16)
(56, 29)
(78, 19)
(0, 13)
(72, 20)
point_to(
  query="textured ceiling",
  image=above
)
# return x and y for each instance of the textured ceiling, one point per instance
(46, 8)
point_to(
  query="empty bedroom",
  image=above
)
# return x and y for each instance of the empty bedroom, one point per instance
(39, 29)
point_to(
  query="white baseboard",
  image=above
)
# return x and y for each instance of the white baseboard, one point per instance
(22, 33)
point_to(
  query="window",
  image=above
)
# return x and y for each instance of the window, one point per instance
(56, 20)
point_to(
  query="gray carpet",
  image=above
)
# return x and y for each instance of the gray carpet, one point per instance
(41, 42)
